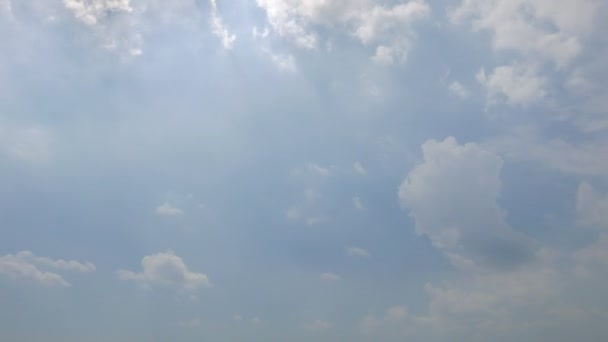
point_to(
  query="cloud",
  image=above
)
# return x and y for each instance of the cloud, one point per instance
(517, 84)
(166, 269)
(329, 276)
(167, 209)
(113, 22)
(452, 196)
(94, 11)
(218, 27)
(458, 89)
(387, 28)
(357, 252)
(536, 29)
(358, 167)
(67, 265)
(25, 265)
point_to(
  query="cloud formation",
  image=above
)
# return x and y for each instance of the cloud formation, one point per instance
(25, 265)
(452, 196)
(167, 270)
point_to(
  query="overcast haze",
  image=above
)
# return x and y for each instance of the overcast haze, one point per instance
(303, 170)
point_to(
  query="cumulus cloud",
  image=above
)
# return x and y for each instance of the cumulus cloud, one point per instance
(534, 28)
(166, 269)
(517, 84)
(26, 265)
(166, 209)
(452, 196)
(357, 252)
(387, 28)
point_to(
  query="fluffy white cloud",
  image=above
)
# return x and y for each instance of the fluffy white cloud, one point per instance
(329, 276)
(537, 29)
(517, 84)
(452, 196)
(167, 209)
(25, 265)
(166, 269)
(357, 252)
(388, 28)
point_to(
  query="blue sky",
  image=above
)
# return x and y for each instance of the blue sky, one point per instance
(299, 170)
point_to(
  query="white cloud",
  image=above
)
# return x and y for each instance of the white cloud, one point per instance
(357, 252)
(91, 12)
(458, 89)
(67, 265)
(25, 265)
(388, 28)
(452, 196)
(329, 276)
(537, 29)
(166, 269)
(167, 209)
(112, 22)
(358, 167)
(516, 84)
(218, 27)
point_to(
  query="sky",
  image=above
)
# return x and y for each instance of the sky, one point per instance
(303, 170)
